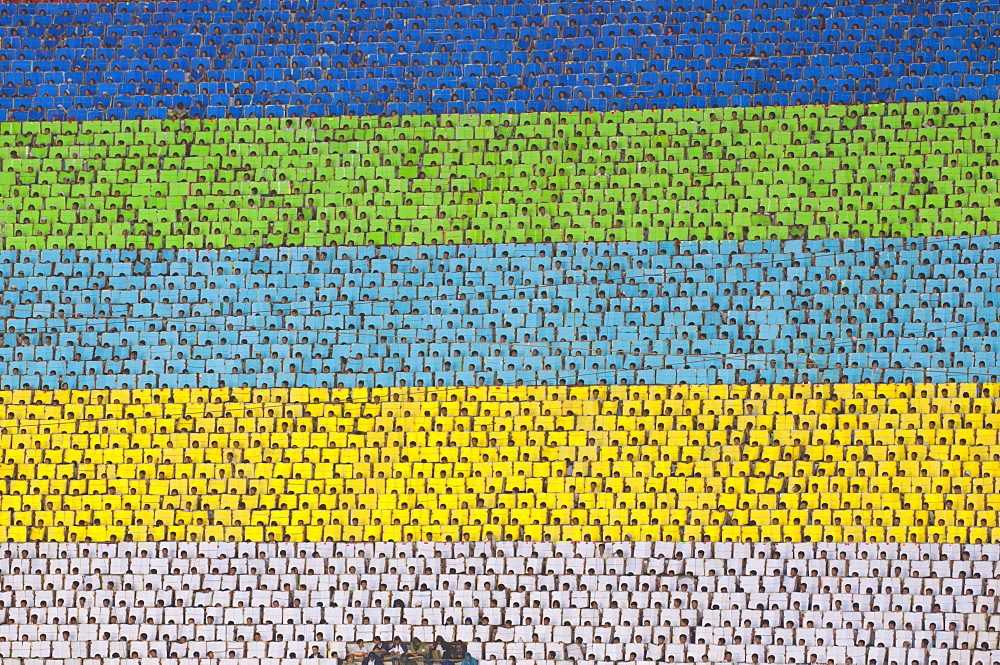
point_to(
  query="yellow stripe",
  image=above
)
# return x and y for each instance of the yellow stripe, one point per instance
(774, 462)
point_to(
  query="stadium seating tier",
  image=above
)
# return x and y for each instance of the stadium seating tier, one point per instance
(90, 61)
(903, 170)
(556, 603)
(881, 310)
(820, 463)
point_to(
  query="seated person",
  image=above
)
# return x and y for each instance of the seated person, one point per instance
(416, 653)
(376, 654)
(358, 652)
(454, 652)
(395, 650)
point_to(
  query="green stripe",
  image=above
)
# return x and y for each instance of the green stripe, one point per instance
(691, 174)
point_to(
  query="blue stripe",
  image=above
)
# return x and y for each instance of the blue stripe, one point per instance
(490, 58)
(880, 310)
